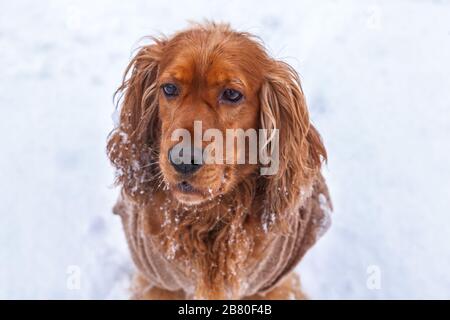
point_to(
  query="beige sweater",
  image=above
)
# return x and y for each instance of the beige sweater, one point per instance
(280, 257)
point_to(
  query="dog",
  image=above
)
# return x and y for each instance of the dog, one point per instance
(217, 230)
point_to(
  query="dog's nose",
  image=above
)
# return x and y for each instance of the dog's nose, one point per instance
(185, 162)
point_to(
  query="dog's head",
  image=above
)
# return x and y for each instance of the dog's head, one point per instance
(211, 77)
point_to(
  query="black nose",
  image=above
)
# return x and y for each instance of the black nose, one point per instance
(185, 165)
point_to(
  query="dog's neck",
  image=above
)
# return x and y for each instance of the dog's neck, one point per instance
(203, 238)
(211, 228)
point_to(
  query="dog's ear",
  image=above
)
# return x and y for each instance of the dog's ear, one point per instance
(300, 147)
(133, 145)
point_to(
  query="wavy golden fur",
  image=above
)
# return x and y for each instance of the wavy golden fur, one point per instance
(211, 241)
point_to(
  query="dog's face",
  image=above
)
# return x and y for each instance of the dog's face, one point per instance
(206, 78)
(223, 80)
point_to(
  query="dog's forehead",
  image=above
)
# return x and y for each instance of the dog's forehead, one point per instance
(212, 62)
(208, 68)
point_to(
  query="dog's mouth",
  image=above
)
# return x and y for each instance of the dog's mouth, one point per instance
(187, 194)
(196, 188)
(186, 187)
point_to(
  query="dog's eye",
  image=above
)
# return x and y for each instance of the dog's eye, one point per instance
(231, 95)
(170, 90)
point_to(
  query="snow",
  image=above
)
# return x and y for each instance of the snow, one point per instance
(376, 76)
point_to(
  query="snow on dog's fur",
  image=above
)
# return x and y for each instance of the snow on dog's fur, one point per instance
(233, 233)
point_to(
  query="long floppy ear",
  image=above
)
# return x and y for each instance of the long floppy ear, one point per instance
(300, 147)
(133, 145)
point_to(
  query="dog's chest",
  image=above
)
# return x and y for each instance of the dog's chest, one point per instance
(162, 268)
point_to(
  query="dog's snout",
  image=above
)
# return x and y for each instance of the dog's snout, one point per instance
(185, 162)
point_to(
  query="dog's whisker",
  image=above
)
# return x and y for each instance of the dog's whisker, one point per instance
(149, 164)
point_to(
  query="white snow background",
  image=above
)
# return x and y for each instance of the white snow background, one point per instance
(377, 78)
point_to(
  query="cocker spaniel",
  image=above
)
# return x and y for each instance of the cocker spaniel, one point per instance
(200, 230)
